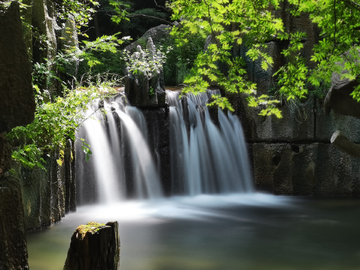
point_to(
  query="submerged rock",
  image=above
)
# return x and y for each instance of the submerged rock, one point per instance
(94, 246)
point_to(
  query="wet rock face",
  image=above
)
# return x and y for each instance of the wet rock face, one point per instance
(48, 195)
(94, 247)
(17, 103)
(13, 251)
(305, 169)
(293, 155)
(159, 142)
(17, 107)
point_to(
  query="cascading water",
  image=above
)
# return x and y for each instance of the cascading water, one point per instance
(119, 152)
(104, 167)
(206, 159)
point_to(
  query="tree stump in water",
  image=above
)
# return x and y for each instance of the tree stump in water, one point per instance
(94, 246)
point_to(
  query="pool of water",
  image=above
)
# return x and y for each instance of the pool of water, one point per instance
(212, 232)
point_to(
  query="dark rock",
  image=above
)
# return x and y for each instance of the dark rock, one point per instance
(297, 124)
(94, 247)
(343, 143)
(326, 124)
(49, 194)
(5, 155)
(159, 142)
(304, 169)
(17, 103)
(339, 99)
(156, 33)
(13, 255)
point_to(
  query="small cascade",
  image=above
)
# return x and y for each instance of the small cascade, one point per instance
(104, 167)
(205, 158)
(116, 135)
(145, 178)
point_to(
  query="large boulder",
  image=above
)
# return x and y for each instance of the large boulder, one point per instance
(156, 33)
(17, 103)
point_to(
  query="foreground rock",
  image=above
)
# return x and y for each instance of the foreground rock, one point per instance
(94, 246)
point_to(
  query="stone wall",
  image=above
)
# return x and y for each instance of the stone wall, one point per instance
(293, 155)
(48, 195)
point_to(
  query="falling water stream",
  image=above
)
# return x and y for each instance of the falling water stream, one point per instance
(213, 220)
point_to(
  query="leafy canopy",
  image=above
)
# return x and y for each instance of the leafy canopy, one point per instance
(252, 24)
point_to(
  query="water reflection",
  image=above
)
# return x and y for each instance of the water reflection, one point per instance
(234, 232)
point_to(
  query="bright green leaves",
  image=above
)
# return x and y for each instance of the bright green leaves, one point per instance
(30, 156)
(267, 105)
(101, 44)
(258, 52)
(86, 149)
(229, 23)
(222, 102)
(79, 11)
(146, 62)
(337, 48)
(54, 123)
(120, 7)
(292, 76)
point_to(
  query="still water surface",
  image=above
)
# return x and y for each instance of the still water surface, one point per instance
(208, 232)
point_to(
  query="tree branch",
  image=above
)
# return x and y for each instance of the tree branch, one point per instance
(353, 4)
(167, 10)
(150, 17)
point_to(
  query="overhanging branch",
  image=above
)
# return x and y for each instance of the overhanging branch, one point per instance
(150, 17)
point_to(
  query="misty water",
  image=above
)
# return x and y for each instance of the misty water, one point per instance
(211, 232)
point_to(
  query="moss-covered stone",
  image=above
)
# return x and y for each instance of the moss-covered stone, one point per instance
(94, 246)
(92, 227)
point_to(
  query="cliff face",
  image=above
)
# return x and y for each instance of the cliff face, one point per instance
(17, 103)
(31, 199)
(17, 107)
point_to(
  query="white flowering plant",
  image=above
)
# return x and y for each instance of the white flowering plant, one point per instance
(146, 62)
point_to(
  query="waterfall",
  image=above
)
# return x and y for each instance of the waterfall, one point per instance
(207, 159)
(119, 152)
(104, 166)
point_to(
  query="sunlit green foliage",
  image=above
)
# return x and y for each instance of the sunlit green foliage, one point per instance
(253, 24)
(146, 62)
(230, 23)
(54, 123)
(79, 11)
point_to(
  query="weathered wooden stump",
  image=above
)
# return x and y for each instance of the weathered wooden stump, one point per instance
(94, 246)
